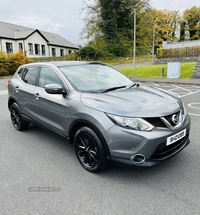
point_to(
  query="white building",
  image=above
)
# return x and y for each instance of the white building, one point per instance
(33, 42)
(183, 44)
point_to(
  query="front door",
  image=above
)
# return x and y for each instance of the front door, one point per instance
(50, 109)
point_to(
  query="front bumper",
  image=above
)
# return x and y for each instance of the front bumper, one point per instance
(125, 145)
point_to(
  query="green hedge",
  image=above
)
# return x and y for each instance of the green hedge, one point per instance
(193, 51)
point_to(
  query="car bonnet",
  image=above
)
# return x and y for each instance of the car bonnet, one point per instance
(139, 101)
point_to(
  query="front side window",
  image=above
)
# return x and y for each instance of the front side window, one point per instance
(37, 49)
(49, 76)
(53, 50)
(9, 47)
(29, 75)
(30, 48)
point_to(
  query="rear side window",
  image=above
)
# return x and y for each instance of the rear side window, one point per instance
(29, 75)
(20, 72)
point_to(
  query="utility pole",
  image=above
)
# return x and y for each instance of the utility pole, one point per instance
(134, 45)
(153, 43)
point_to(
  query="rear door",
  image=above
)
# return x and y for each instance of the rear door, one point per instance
(24, 89)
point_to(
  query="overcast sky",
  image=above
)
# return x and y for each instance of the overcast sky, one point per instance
(64, 16)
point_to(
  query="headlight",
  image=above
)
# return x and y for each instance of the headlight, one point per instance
(131, 123)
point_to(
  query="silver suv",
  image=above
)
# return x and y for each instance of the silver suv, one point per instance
(107, 116)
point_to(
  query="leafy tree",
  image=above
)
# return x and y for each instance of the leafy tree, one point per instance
(166, 25)
(91, 19)
(192, 19)
(112, 22)
(182, 30)
(109, 20)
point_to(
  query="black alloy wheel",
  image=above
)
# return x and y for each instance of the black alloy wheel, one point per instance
(16, 118)
(89, 150)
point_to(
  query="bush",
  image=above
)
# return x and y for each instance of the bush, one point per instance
(10, 62)
(118, 50)
(193, 51)
(16, 60)
(4, 64)
(89, 53)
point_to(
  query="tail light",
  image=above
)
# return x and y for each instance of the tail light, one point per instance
(9, 81)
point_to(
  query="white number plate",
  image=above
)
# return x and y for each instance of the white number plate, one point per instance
(176, 137)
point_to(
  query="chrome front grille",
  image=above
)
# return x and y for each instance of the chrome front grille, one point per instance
(172, 121)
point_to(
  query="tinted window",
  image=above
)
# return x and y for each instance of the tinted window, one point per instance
(49, 76)
(20, 72)
(29, 75)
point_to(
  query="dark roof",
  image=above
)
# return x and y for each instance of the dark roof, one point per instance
(16, 32)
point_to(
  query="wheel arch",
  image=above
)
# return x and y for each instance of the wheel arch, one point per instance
(81, 123)
(10, 102)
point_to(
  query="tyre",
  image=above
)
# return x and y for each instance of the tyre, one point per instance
(89, 150)
(16, 118)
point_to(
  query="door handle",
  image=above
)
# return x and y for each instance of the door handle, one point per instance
(37, 96)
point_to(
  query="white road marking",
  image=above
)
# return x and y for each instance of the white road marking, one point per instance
(182, 88)
(156, 84)
(194, 114)
(192, 105)
(3, 92)
(190, 93)
(187, 89)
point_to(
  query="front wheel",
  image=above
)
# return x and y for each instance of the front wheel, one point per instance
(16, 118)
(89, 150)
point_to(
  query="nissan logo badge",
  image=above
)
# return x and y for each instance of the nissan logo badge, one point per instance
(175, 119)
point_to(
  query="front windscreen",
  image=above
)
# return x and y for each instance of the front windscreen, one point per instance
(95, 78)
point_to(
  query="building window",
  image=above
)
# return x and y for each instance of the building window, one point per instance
(61, 52)
(9, 48)
(69, 51)
(30, 48)
(20, 46)
(43, 50)
(53, 50)
(37, 49)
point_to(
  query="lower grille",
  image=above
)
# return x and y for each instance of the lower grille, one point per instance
(163, 152)
(157, 122)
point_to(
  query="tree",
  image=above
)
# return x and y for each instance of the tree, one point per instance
(166, 25)
(191, 18)
(111, 22)
(92, 20)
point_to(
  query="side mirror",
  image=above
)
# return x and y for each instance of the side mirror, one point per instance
(54, 89)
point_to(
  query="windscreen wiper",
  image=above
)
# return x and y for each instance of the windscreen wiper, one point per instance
(137, 84)
(112, 89)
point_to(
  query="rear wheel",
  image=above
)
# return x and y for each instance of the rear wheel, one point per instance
(16, 118)
(89, 150)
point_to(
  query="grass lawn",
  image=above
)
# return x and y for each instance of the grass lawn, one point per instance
(154, 71)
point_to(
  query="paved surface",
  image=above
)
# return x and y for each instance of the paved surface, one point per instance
(41, 175)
